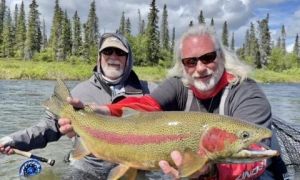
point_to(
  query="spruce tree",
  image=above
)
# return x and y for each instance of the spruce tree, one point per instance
(2, 15)
(232, 42)
(122, 24)
(128, 28)
(264, 39)
(140, 23)
(92, 26)
(143, 27)
(212, 22)
(7, 35)
(164, 29)
(76, 38)
(283, 37)
(225, 34)
(16, 12)
(201, 18)
(172, 41)
(21, 32)
(191, 24)
(153, 35)
(33, 35)
(44, 36)
(296, 49)
(56, 31)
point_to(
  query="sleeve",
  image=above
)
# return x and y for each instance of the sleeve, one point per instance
(38, 135)
(248, 102)
(145, 103)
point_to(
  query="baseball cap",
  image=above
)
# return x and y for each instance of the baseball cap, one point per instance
(113, 42)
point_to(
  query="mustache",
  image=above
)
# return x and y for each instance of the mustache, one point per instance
(113, 62)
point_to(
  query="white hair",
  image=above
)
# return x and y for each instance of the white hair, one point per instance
(232, 63)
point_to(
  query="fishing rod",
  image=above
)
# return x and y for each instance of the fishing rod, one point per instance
(51, 162)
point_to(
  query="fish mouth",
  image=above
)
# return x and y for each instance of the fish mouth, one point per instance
(248, 156)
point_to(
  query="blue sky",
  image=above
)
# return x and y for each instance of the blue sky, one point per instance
(238, 14)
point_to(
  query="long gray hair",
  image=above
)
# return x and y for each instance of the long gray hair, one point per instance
(233, 64)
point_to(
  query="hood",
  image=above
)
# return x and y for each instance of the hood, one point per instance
(129, 61)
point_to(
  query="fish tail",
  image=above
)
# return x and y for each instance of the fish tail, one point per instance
(58, 100)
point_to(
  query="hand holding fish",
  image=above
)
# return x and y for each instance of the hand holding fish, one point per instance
(177, 158)
(4, 146)
(65, 123)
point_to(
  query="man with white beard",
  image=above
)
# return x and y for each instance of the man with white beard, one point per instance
(207, 77)
(113, 79)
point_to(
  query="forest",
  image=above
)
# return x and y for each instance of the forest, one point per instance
(24, 38)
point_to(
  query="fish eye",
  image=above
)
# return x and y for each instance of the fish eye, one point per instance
(245, 135)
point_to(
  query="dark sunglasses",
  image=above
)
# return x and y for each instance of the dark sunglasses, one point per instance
(109, 51)
(205, 59)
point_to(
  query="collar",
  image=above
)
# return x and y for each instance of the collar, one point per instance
(223, 82)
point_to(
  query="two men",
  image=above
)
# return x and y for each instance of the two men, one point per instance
(113, 79)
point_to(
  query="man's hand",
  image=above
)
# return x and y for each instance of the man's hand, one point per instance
(65, 123)
(177, 158)
(4, 145)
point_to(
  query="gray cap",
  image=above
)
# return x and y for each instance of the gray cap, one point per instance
(113, 42)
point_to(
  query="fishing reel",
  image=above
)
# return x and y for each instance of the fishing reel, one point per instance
(30, 167)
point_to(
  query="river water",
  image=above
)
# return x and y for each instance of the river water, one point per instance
(20, 107)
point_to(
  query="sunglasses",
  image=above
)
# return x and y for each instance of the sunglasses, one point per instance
(205, 59)
(110, 51)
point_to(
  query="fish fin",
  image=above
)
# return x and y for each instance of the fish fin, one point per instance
(59, 98)
(80, 150)
(122, 171)
(128, 112)
(191, 162)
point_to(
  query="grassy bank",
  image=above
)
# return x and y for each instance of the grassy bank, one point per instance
(12, 69)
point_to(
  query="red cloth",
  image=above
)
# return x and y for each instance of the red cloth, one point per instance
(145, 103)
(225, 79)
(242, 171)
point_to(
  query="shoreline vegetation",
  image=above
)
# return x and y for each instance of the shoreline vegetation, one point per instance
(35, 70)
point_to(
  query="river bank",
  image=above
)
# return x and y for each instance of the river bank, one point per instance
(15, 69)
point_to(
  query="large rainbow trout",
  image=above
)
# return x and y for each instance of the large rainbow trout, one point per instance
(139, 140)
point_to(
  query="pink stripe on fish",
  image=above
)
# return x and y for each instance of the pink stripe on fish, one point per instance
(132, 139)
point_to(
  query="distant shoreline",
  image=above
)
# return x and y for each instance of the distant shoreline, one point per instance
(30, 70)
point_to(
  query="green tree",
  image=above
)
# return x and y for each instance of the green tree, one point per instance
(122, 25)
(44, 36)
(212, 22)
(296, 49)
(16, 12)
(164, 29)
(225, 34)
(128, 28)
(33, 35)
(232, 42)
(7, 36)
(140, 23)
(67, 35)
(172, 41)
(152, 36)
(191, 24)
(56, 31)
(201, 19)
(264, 39)
(20, 33)
(91, 34)
(2, 15)
(76, 35)
(283, 37)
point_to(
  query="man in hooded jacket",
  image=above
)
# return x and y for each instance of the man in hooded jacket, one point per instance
(113, 79)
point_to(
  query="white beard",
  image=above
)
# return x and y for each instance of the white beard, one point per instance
(212, 82)
(112, 72)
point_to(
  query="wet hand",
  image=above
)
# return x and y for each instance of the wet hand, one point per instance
(66, 127)
(6, 150)
(174, 173)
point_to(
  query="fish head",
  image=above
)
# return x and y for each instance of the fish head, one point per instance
(228, 138)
